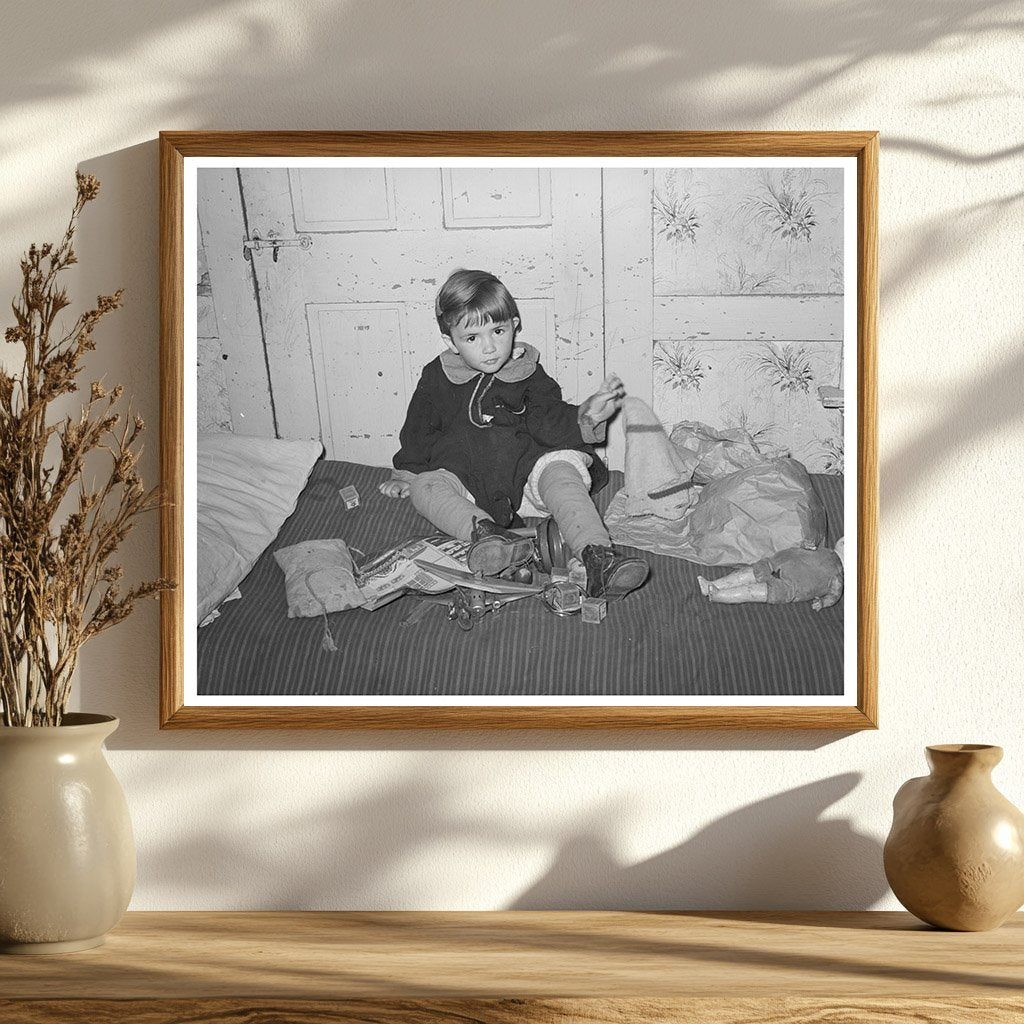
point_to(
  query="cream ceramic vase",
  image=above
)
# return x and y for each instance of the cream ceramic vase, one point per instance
(67, 855)
(955, 855)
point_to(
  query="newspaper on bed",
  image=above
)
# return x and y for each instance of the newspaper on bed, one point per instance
(394, 572)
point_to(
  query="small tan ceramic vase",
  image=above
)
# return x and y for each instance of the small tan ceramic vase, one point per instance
(955, 854)
(67, 855)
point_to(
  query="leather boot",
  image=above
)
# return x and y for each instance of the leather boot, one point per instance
(494, 549)
(611, 575)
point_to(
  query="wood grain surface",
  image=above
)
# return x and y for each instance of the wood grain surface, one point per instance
(515, 1011)
(426, 144)
(524, 966)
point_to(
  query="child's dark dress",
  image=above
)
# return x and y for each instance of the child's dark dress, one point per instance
(489, 429)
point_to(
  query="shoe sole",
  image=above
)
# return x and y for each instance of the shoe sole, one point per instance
(626, 579)
(492, 555)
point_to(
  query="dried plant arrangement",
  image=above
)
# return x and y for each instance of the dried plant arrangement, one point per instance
(58, 533)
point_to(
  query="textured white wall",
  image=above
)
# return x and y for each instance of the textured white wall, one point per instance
(731, 820)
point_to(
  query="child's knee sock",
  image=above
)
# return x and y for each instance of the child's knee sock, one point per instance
(567, 498)
(436, 499)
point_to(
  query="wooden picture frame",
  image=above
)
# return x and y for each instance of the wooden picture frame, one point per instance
(182, 154)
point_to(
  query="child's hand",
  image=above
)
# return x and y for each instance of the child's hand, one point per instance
(605, 402)
(394, 489)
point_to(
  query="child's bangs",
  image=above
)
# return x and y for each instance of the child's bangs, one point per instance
(491, 308)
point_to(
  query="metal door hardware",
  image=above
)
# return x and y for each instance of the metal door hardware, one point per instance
(272, 242)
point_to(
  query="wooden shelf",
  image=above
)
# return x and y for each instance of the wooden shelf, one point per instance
(520, 966)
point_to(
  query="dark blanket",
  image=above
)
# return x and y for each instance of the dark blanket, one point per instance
(665, 639)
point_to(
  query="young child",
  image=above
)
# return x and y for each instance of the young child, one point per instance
(487, 435)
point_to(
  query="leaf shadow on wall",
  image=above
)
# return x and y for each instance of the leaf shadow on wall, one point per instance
(778, 853)
(939, 244)
(318, 66)
(959, 156)
(958, 415)
(989, 405)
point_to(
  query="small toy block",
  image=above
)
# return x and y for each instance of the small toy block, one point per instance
(350, 496)
(568, 596)
(593, 609)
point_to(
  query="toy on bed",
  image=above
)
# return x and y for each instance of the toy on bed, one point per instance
(793, 575)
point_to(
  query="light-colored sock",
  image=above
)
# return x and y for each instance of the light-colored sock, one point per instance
(567, 498)
(658, 476)
(438, 500)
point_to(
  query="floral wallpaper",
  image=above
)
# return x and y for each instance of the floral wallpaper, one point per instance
(753, 231)
(769, 244)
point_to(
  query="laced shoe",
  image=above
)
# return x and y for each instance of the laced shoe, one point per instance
(611, 575)
(495, 549)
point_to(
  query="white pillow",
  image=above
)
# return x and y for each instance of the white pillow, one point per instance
(247, 488)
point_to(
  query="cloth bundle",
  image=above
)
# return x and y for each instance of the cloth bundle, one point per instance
(318, 578)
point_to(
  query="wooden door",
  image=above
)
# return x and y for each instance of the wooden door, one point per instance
(348, 323)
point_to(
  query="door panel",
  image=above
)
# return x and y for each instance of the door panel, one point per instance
(361, 401)
(496, 197)
(330, 199)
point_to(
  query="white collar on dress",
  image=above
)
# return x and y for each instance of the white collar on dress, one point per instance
(522, 364)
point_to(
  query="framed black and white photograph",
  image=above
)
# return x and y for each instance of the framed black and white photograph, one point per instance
(519, 429)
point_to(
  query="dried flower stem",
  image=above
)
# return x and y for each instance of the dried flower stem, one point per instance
(57, 586)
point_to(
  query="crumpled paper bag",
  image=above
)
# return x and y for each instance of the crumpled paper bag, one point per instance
(716, 453)
(750, 506)
(754, 513)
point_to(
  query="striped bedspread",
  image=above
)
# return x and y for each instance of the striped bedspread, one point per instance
(665, 639)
